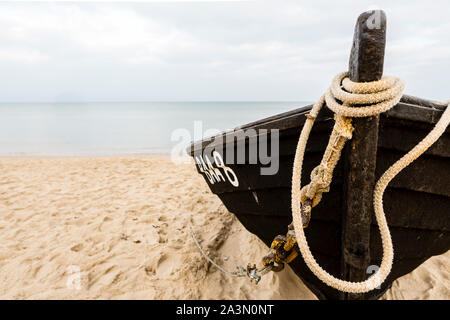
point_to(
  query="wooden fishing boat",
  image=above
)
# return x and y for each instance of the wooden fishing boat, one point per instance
(342, 233)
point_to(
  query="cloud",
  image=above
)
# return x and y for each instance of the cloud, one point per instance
(22, 56)
(245, 50)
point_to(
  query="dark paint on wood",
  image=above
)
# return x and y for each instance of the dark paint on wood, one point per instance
(423, 102)
(417, 202)
(289, 122)
(359, 155)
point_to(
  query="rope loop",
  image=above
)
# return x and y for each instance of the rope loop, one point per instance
(380, 96)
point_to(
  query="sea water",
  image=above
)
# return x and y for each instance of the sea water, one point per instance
(117, 128)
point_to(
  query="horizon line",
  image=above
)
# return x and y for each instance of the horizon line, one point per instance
(148, 101)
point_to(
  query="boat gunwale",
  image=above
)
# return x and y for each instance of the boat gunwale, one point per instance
(425, 111)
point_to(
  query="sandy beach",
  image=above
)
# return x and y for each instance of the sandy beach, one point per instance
(117, 228)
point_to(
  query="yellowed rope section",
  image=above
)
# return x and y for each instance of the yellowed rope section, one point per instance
(382, 95)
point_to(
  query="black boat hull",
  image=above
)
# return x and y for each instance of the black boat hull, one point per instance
(417, 201)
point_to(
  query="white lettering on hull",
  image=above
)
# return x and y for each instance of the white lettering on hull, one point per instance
(213, 172)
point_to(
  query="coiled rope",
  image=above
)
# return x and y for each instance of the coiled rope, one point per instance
(382, 95)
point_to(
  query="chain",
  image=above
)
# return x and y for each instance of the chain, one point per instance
(251, 271)
(283, 250)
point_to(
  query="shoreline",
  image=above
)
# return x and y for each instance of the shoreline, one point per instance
(80, 156)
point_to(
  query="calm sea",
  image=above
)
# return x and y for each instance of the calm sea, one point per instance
(71, 129)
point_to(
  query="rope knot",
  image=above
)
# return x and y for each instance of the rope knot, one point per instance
(347, 99)
(381, 96)
(344, 126)
(318, 185)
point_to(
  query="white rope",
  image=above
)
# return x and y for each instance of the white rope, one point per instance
(382, 95)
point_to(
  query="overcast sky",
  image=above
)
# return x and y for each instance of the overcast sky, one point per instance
(209, 51)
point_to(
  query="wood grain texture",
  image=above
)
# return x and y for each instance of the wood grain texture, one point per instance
(359, 156)
(342, 234)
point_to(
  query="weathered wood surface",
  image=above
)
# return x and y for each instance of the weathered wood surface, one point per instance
(295, 118)
(360, 153)
(417, 210)
(423, 102)
(417, 202)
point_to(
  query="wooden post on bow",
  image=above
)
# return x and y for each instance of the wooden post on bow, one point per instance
(359, 156)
